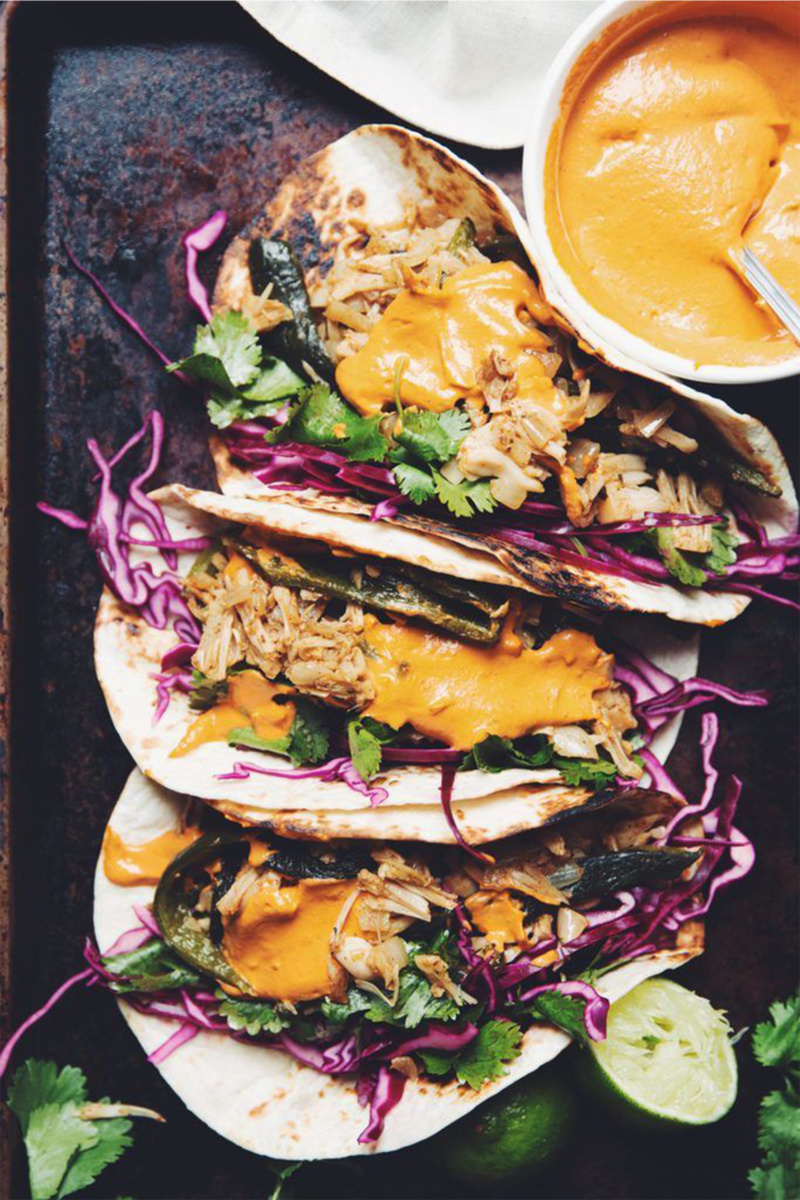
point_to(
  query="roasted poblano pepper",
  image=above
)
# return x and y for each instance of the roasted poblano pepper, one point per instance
(389, 592)
(297, 341)
(603, 874)
(173, 904)
(180, 884)
(464, 236)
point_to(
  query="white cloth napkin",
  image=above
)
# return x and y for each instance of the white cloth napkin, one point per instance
(464, 69)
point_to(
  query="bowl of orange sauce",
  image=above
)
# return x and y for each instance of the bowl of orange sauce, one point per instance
(666, 139)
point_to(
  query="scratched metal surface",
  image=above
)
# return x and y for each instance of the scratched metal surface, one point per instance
(130, 123)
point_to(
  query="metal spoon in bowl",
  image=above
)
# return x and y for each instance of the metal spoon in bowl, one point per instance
(765, 285)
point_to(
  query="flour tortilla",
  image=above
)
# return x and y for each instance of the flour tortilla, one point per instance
(265, 1101)
(372, 174)
(128, 653)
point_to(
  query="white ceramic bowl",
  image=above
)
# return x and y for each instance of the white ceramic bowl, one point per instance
(591, 324)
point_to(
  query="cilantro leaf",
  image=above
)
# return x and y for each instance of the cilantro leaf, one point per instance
(484, 1059)
(380, 730)
(463, 499)
(452, 495)
(480, 496)
(692, 569)
(275, 381)
(433, 437)
(113, 1139)
(437, 1062)
(37, 1083)
(247, 737)
(775, 1180)
(224, 410)
(310, 738)
(305, 744)
(456, 424)
(252, 1016)
(723, 549)
(415, 1003)
(151, 968)
(229, 363)
(232, 339)
(65, 1152)
(414, 482)
(779, 1126)
(676, 561)
(365, 750)
(337, 1014)
(592, 772)
(321, 418)
(226, 354)
(776, 1043)
(564, 1011)
(495, 754)
(55, 1134)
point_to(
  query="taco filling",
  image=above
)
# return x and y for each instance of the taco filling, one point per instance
(303, 650)
(366, 957)
(437, 358)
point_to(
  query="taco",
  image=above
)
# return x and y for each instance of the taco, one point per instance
(329, 675)
(317, 1000)
(380, 346)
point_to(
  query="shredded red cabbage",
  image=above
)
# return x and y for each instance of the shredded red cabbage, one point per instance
(421, 757)
(8, 1049)
(124, 316)
(195, 242)
(384, 1096)
(659, 775)
(337, 768)
(446, 797)
(438, 1036)
(158, 597)
(179, 1038)
(148, 922)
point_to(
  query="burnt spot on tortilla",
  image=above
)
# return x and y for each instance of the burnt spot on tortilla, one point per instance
(356, 198)
(590, 803)
(544, 574)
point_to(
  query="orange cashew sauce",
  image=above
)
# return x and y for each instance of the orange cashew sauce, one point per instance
(677, 144)
(278, 941)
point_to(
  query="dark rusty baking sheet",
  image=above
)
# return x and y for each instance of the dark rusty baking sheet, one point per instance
(129, 123)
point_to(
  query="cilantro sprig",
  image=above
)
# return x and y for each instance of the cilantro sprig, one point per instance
(306, 743)
(415, 1000)
(69, 1141)
(424, 443)
(776, 1044)
(485, 1058)
(495, 754)
(242, 382)
(251, 1016)
(692, 570)
(366, 739)
(151, 968)
(319, 417)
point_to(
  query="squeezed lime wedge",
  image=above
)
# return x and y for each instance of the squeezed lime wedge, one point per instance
(667, 1059)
